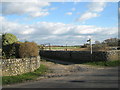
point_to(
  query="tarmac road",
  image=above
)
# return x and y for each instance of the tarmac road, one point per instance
(91, 78)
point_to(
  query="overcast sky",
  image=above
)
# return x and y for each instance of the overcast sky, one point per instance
(60, 23)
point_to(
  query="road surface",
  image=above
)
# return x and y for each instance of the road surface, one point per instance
(78, 76)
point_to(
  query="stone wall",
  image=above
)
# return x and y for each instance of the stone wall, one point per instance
(81, 56)
(11, 67)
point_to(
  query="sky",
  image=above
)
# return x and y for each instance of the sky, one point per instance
(60, 23)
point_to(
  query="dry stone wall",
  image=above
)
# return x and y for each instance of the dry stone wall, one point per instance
(81, 56)
(11, 67)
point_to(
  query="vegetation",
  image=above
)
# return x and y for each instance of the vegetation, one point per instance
(25, 77)
(12, 48)
(58, 47)
(105, 63)
(28, 49)
(108, 44)
(8, 39)
(100, 47)
(111, 42)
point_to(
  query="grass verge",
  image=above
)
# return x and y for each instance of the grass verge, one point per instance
(105, 63)
(24, 77)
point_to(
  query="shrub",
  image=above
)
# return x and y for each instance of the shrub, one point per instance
(8, 39)
(11, 48)
(8, 49)
(97, 47)
(28, 49)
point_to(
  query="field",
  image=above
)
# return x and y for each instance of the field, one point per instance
(75, 48)
(68, 48)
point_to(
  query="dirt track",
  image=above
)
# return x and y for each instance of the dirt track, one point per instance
(60, 68)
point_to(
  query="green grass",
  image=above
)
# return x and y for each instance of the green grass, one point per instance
(64, 47)
(24, 77)
(105, 63)
(0, 80)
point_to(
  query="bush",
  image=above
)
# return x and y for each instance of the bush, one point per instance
(100, 47)
(11, 48)
(28, 49)
(8, 49)
(8, 39)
